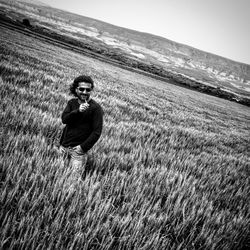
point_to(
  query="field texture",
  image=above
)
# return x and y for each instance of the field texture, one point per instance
(171, 170)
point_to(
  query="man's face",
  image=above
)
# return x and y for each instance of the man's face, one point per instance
(83, 91)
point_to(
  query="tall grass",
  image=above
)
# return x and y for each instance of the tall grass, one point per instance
(171, 170)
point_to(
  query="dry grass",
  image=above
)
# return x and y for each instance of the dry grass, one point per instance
(171, 170)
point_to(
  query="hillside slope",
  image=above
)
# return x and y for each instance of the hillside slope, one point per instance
(158, 55)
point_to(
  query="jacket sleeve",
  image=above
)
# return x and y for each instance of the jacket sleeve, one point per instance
(68, 114)
(96, 132)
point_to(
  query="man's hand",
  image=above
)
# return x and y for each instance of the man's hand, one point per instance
(78, 149)
(83, 106)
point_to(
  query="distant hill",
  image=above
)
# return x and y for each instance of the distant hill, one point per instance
(136, 49)
(36, 2)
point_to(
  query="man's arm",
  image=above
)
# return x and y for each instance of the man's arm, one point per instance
(68, 114)
(96, 132)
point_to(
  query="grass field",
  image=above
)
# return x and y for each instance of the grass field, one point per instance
(171, 170)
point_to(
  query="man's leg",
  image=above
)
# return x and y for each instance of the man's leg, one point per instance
(76, 168)
(78, 161)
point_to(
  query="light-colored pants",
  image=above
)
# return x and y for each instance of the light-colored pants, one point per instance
(75, 164)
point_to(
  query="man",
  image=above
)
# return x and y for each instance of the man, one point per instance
(84, 120)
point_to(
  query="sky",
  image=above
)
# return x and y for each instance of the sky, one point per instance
(220, 27)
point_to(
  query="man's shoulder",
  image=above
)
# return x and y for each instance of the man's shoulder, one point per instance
(96, 105)
(73, 101)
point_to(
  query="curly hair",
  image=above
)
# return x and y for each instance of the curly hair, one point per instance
(81, 78)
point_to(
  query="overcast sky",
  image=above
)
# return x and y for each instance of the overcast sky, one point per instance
(217, 26)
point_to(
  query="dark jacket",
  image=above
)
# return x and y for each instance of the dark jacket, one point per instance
(82, 128)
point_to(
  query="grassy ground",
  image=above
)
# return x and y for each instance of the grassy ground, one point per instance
(171, 170)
